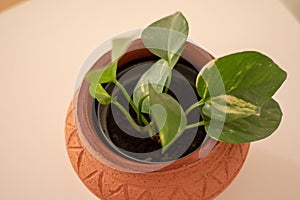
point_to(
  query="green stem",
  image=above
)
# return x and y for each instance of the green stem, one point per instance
(150, 130)
(195, 125)
(205, 92)
(123, 90)
(146, 129)
(195, 105)
(140, 106)
(169, 79)
(128, 116)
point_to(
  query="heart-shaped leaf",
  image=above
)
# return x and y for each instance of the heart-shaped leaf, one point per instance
(229, 107)
(166, 37)
(248, 129)
(108, 73)
(99, 93)
(168, 116)
(250, 76)
(156, 75)
(209, 82)
(120, 45)
(104, 75)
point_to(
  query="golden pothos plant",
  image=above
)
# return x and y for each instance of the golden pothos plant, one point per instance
(236, 90)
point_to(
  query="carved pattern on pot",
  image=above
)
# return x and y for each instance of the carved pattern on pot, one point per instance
(204, 179)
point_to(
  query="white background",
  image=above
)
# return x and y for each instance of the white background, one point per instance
(43, 44)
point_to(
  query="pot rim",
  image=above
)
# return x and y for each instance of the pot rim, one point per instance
(83, 103)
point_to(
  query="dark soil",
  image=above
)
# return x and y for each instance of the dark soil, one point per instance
(127, 142)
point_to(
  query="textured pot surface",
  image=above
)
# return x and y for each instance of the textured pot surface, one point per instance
(106, 174)
(204, 179)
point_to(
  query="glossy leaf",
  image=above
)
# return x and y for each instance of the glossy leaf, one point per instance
(209, 82)
(156, 75)
(229, 107)
(166, 37)
(248, 129)
(120, 45)
(250, 76)
(104, 75)
(99, 93)
(108, 73)
(168, 116)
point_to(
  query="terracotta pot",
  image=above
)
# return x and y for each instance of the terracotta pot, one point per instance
(203, 174)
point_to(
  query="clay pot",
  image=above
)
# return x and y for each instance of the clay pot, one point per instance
(203, 174)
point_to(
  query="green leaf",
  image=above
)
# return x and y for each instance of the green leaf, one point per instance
(108, 73)
(168, 116)
(99, 93)
(156, 75)
(120, 45)
(166, 37)
(209, 82)
(250, 76)
(248, 129)
(104, 75)
(229, 107)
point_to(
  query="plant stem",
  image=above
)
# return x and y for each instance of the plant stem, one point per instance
(128, 116)
(169, 79)
(140, 106)
(123, 90)
(195, 105)
(148, 128)
(195, 125)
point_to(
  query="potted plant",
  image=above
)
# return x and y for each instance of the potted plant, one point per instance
(157, 117)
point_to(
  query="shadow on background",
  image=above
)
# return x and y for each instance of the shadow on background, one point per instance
(265, 176)
(293, 6)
